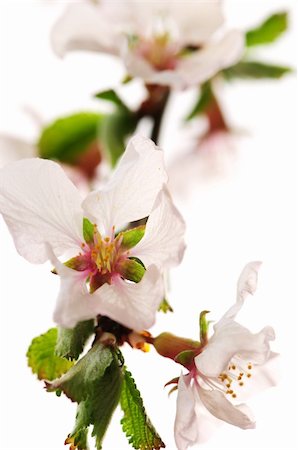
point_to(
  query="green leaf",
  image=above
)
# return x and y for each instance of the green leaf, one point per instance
(111, 96)
(135, 422)
(255, 69)
(133, 270)
(88, 231)
(132, 237)
(42, 358)
(95, 384)
(270, 30)
(71, 342)
(204, 100)
(67, 138)
(116, 128)
(165, 306)
(78, 438)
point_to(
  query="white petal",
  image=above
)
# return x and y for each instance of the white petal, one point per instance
(229, 340)
(85, 27)
(247, 284)
(185, 428)
(12, 149)
(205, 63)
(195, 21)
(218, 405)
(163, 243)
(134, 305)
(131, 193)
(39, 205)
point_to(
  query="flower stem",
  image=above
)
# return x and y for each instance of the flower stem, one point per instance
(154, 106)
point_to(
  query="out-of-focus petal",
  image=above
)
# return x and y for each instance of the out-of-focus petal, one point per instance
(132, 191)
(163, 243)
(204, 63)
(85, 26)
(40, 204)
(12, 149)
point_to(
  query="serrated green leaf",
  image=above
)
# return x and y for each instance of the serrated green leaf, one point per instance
(95, 384)
(255, 69)
(42, 358)
(71, 342)
(135, 423)
(111, 96)
(88, 230)
(204, 100)
(67, 138)
(165, 306)
(116, 128)
(132, 237)
(270, 30)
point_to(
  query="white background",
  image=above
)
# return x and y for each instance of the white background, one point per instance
(246, 212)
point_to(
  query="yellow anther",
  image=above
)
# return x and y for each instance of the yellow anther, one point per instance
(107, 239)
(240, 377)
(241, 383)
(233, 367)
(228, 385)
(249, 366)
(234, 395)
(248, 375)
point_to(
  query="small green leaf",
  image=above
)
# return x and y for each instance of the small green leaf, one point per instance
(165, 306)
(116, 128)
(255, 69)
(270, 30)
(94, 382)
(204, 100)
(135, 423)
(132, 237)
(67, 138)
(42, 358)
(71, 342)
(133, 270)
(204, 325)
(88, 230)
(111, 96)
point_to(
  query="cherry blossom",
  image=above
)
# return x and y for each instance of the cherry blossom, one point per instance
(112, 271)
(179, 44)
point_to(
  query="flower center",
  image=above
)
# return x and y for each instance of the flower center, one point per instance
(106, 252)
(236, 376)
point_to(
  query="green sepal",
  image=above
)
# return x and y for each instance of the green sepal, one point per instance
(42, 357)
(203, 102)
(116, 128)
(132, 269)
(256, 70)
(165, 306)
(132, 237)
(185, 358)
(269, 31)
(135, 423)
(71, 342)
(94, 382)
(88, 231)
(111, 96)
(67, 138)
(204, 325)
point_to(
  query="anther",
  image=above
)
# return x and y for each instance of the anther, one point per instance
(234, 395)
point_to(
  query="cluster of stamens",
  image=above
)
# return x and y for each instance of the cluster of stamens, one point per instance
(235, 375)
(105, 251)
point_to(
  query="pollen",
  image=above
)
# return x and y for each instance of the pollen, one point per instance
(241, 383)
(248, 375)
(234, 395)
